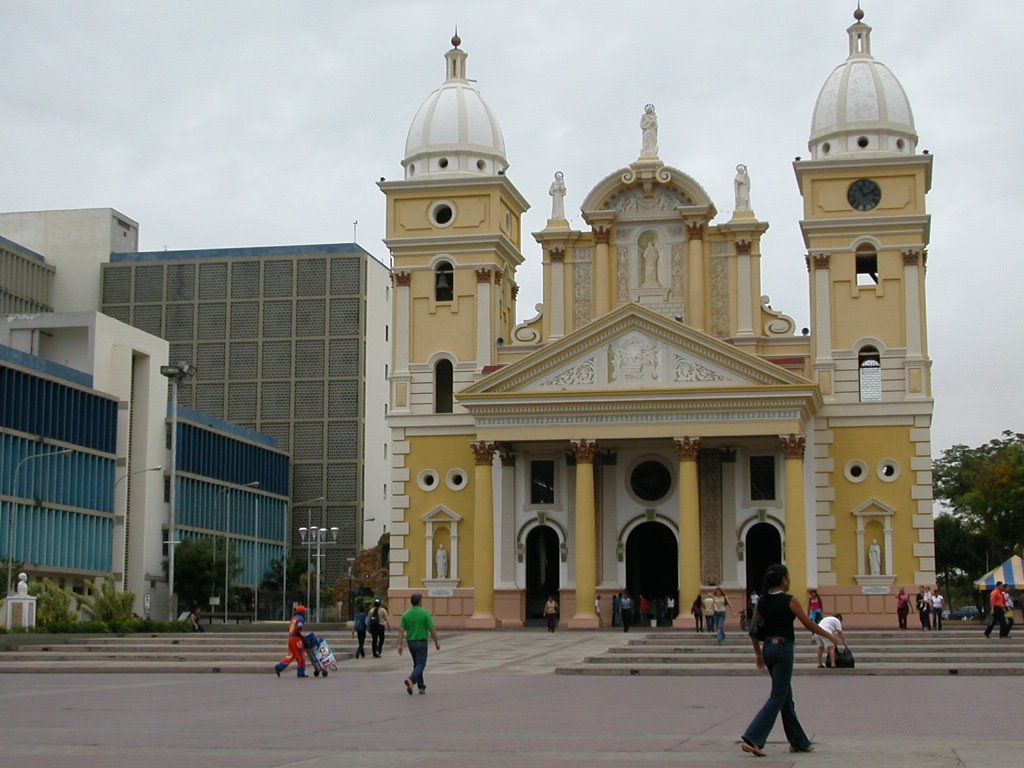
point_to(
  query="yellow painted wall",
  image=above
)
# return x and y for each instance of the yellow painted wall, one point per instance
(902, 193)
(442, 454)
(872, 445)
(450, 326)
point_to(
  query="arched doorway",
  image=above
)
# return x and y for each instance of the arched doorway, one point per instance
(652, 564)
(763, 547)
(541, 569)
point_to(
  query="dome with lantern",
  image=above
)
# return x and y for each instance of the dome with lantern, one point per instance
(862, 109)
(454, 133)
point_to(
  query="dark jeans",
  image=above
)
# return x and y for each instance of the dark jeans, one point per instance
(925, 614)
(627, 618)
(377, 645)
(418, 651)
(998, 617)
(552, 619)
(936, 618)
(778, 657)
(901, 615)
(361, 637)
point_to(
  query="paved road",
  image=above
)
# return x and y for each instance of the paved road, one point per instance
(517, 714)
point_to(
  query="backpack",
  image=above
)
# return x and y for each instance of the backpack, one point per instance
(360, 623)
(374, 618)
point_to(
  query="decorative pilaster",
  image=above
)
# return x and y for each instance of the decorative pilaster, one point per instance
(483, 538)
(745, 308)
(695, 311)
(602, 269)
(796, 526)
(688, 451)
(557, 274)
(584, 452)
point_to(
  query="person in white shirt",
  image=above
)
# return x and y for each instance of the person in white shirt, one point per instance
(938, 605)
(833, 624)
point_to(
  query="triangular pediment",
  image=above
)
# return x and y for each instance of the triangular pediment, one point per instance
(634, 349)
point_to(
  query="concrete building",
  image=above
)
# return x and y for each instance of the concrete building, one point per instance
(659, 427)
(26, 280)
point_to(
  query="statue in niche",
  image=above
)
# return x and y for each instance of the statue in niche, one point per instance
(742, 184)
(557, 192)
(441, 562)
(875, 558)
(649, 127)
(651, 257)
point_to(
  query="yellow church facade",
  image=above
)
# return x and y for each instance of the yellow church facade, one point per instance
(658, 428)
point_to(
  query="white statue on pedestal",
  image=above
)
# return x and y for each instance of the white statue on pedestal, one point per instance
(742, 184)
(649, 127)
(22, 585)
(875, 557)
(557, 192)
(651, 257)
(441, 562)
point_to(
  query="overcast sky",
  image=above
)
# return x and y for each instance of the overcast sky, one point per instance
(218, 124)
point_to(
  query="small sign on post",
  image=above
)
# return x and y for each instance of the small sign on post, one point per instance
(147, 603)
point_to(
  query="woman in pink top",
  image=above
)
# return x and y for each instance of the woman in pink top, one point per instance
(902, 607)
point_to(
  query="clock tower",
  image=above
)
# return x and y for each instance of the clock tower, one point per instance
(866, 228)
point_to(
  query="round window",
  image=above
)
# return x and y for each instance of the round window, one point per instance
(456, 479)
(442, 214)
(427, 480)
(888, 470)
(862, 142)
(856, 471)
(443, 162)
(480, 165)
(650, 481)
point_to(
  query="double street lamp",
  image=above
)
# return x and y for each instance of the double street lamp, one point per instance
(124, 537)
(12, 511)
(176, 374)
(318, 536)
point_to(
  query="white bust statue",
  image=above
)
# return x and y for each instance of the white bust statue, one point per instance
(22, 584)
(649, 128)
(557, 192)
(441, 562)
(875, 558)
(742, 184)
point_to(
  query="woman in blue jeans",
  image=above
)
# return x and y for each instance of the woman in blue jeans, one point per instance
(773, 647)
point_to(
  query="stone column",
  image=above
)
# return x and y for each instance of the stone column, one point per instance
(602, 270)
(688, 451)
(796, 525)
(695, 275)
(483, 538)
(745, 307)
(586, 536)
(484, 317)
(557, 314)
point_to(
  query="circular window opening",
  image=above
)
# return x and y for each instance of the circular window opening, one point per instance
(412, 170)
(899, 144)
(650, 481)
(826, 147)
(443, 214)
(443, 162)
(888, 470)
(856, 471)
(456, 479)
(427, 480)
(480, 164)
(862, 142)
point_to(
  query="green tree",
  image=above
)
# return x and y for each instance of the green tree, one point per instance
(53, 604)
(984, 487)
(199, 570)
(960, 555)
(106, 603)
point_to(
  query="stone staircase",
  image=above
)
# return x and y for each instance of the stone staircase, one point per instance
(234, 652)
(954, 651)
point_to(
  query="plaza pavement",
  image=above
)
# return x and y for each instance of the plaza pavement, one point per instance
(493, 700)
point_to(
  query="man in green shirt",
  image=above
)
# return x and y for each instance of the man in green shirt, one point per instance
(417, 624)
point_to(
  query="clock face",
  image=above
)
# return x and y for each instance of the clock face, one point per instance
(864, 194)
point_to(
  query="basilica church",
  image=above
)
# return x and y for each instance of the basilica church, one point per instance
(658, 428)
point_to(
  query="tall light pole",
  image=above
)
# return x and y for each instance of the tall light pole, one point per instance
(287, 544)
(227, 539)
(176, 374)
(12, 509)
(319, 535)
(124, 537)
(256, 582)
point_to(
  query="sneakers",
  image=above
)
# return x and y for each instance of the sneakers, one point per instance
(422, 691)
(408, 686)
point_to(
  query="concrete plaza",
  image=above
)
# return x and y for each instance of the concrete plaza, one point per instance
(493, 701)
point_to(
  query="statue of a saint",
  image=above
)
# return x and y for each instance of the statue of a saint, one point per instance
(651, 265)
(557, 192)
(649, 127)
(441, 562)
(742, 184)
(875, 558)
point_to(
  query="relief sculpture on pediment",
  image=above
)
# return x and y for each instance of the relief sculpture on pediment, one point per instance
(632, 203)
(687, 370)
(635, 359)
(583, 374)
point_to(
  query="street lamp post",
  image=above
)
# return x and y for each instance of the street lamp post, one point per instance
(287, 544)
(227, 539)
(124, 537)
(176, 374)
(319, 535)
(12, 511)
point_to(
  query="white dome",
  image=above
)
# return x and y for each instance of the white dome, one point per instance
(862, 109)
(454, 133)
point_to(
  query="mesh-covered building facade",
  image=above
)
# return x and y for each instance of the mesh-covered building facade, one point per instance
(290, 341)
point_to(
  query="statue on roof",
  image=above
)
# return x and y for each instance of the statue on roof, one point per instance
(557, 192)
(742, 184)
(649, 128)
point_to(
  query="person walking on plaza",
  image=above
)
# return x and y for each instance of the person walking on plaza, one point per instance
(773, 649)
(938, 604)
(902, 607)
(997, 607)
(924, 608)
(627, 611)
(296, 648)
(814, 609)
(551, 613)
(697, 609)
(709, 612)
(359, 631)
(415, 627)
(616, 609)
(722, 606)
(379, 622)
